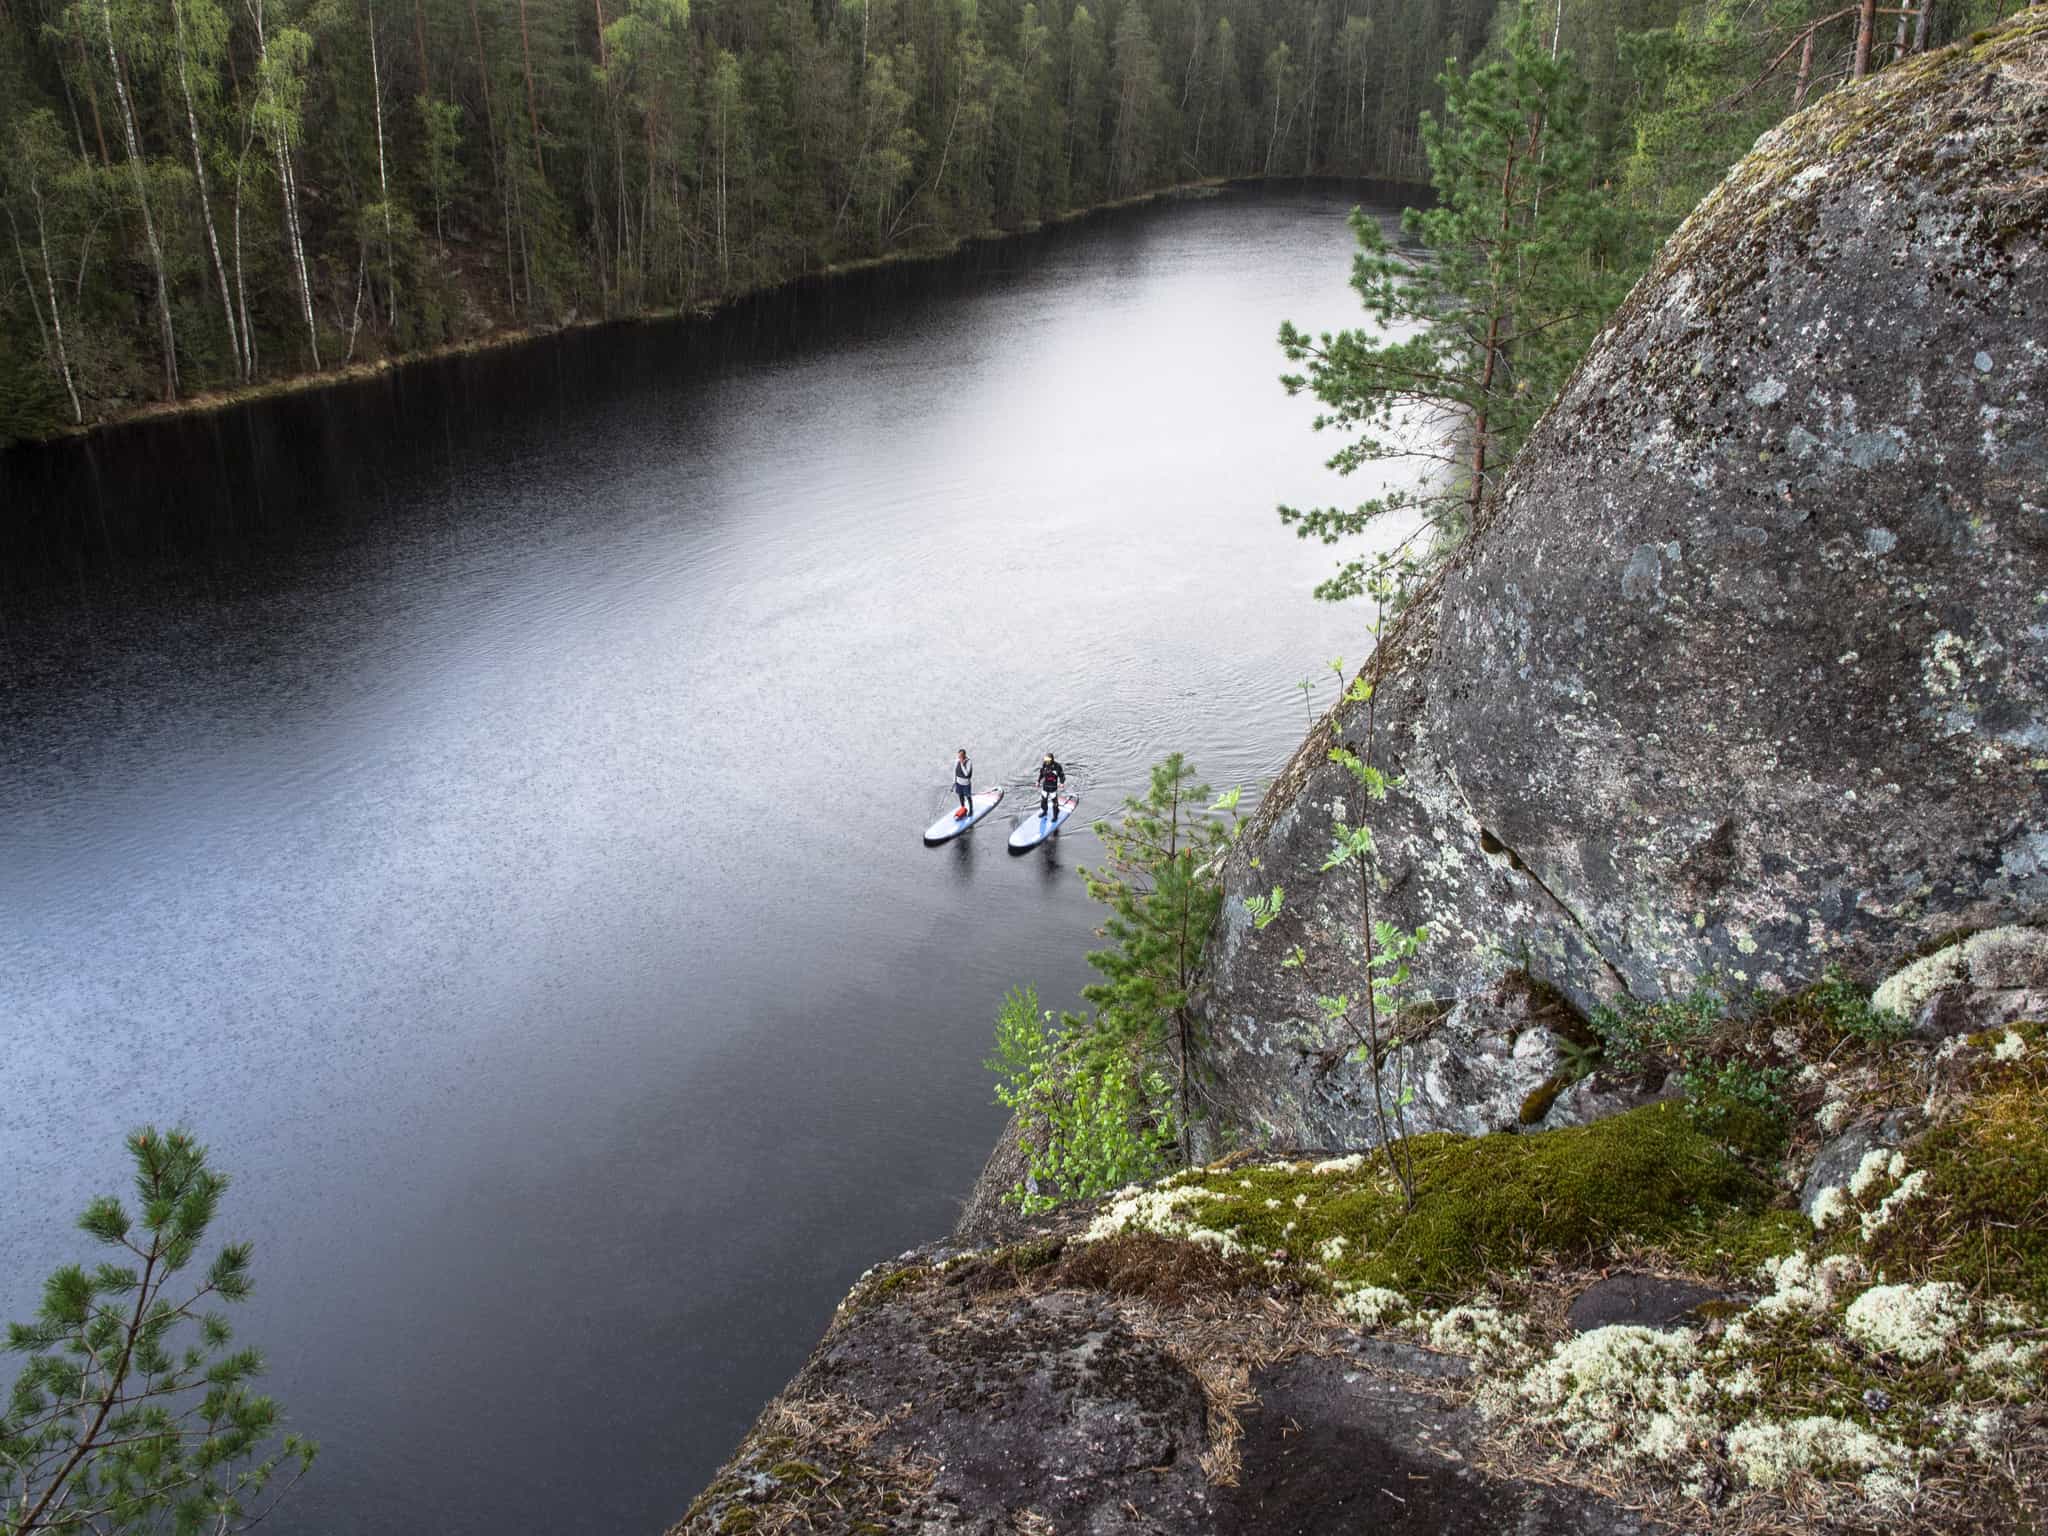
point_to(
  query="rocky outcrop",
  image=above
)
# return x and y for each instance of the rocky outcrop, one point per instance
(1749, 674)
(1037, 1389)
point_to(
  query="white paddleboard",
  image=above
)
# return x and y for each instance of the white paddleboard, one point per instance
(1033, 830)
(949, 826)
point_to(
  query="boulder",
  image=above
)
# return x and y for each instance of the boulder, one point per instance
(1987, 980)
(1747, 675)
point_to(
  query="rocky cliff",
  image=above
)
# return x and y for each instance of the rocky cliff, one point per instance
(1749, 674)
(1747, 678)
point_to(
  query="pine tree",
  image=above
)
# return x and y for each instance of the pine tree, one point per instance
(1163, 892)
(114, 1424)
(1469, 346)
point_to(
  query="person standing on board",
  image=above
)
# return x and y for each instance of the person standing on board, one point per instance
(963, 784)
(1051, 779)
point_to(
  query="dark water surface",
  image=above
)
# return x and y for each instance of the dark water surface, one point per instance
(483, 804)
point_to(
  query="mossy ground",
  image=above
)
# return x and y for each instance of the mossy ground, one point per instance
(1982, 1220)
(1482, 1204)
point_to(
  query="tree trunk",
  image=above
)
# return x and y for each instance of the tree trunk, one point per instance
(288, 189)
(532, 108)
(92, 97)
(63, 356)
(1805, 72)
(165, 335)
(241, 286)
(1866, 30)
(383, 184)
(220, 271)
(499, 173)
(1920, 27)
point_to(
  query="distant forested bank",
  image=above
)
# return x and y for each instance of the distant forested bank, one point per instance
(208, 194)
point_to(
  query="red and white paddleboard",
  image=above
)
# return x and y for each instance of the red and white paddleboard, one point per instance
(949, 826)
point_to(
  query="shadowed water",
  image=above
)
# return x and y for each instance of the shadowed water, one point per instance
(484, 805)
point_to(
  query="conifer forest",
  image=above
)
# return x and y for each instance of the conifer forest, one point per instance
(205, 195)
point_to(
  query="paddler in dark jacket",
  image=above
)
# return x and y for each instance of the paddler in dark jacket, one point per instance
(963, 784)
(1051, 779)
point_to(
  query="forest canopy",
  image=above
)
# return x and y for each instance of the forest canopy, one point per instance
(205, 194)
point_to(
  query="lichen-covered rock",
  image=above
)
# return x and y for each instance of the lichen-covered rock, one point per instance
(1992, 978)
(1838, 1159)
(1749, 674)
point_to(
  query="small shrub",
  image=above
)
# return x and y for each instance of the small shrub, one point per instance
(1741, 1103)
(1091, 1123)
(1636, 1036)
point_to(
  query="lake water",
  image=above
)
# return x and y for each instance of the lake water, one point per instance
(483, 804)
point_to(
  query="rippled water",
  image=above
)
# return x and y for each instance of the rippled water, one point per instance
(484, 804)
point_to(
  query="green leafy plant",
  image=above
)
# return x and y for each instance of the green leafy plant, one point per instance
(1091, 1122)
(1371, 1018)
(133, 1412)
(1637, 1036)
(1740, 1101)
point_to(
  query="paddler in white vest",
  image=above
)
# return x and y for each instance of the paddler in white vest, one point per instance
(963, 784)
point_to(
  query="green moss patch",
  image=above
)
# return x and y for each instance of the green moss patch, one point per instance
(1482, 1204)
(1981, 1218)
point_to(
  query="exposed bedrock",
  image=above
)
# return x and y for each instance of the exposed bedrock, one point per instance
(1748, 675)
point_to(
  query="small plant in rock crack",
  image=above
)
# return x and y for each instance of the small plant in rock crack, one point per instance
(1370, 1017)
(1264, 909)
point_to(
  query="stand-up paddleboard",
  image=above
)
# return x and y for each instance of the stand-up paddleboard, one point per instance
(1033, 830)
(949, 826)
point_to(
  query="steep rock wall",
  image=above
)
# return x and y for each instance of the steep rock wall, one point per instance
(1749, 674)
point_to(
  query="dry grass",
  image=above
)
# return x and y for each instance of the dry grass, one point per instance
(811, 1466)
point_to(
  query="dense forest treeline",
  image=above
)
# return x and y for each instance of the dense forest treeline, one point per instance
(211, 193)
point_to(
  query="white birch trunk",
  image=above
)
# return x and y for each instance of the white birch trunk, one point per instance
(165, 334)
(383, 184)
(53, 334)
(288, 187)
(220, 274)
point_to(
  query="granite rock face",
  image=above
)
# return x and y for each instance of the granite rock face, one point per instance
(957, 1395)
(1748, 675)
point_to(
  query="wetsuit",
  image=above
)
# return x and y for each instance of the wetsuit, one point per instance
(1051, 777)
(963, 782)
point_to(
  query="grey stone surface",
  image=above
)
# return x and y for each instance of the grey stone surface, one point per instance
(1749, 673)
(1838, 1158)
(1334, 1450)
(1641, 1301)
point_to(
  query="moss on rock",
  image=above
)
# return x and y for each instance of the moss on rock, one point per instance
(1981, 1215)
(1482, 1203)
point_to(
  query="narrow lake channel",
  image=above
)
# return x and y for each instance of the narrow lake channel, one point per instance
(484, 805)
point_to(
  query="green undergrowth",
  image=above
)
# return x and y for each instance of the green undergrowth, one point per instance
(1483, 1204)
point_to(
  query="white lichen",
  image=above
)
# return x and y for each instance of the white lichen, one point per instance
(1773, 1452)
(1831, 1204)
(1909, 1189)
(1913, 1322)
(1370, 1306)
(1484, 1332)
(1880, 1163)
